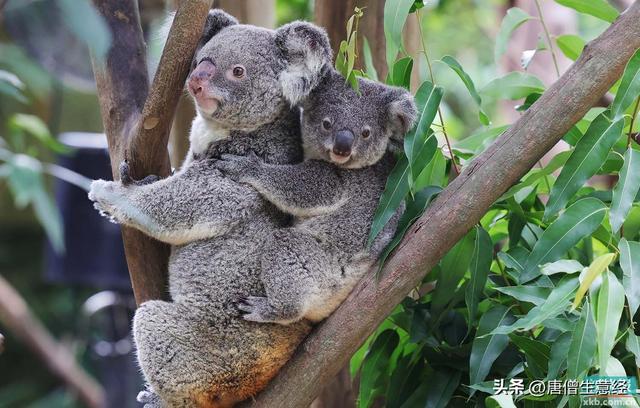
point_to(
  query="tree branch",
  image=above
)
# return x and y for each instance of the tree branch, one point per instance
(456, 210)
(137, 120)
(15, 314)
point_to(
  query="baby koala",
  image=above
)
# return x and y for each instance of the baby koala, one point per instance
(309, 268)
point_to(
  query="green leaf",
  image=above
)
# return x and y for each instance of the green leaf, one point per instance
(514, 18)
(633, 345)
(468, 83)
(375, 365)
(558, 301)
(423, 156)
(11, 85)
(400, 74)
(570, 45)
(629, 88)
(558, 355)
(395, 15)
(625, 190)
(608, 313)
(433, 173)
(561, 266)
(87, 25)
(453, 267)
(536, 352)
(630, 264)
(597, 8)
(479, 141)
(395, 191)
(583, 344)
(405, 379)
(576, 223)
(481, 259)
(597, 267)
(441, 385)
(428, 99)
(485, 350)
(368, 60)
(500, 401)
(415, 208)
(35, 127)
(587, 157)
(532, 294)
(515, 85)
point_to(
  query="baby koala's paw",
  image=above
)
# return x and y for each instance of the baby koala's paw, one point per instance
(238, 168)
(257, 309)
(105, 196)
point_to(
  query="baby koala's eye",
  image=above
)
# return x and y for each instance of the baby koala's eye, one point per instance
(366, 132)
(326, 123)
(238, 71)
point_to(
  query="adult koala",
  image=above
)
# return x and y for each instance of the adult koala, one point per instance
(198, 351)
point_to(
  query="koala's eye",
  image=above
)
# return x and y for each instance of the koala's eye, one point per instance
(366, 132)
(326, 124)
(238, 71)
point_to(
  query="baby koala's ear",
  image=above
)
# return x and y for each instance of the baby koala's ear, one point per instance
(307, 55)
(216, 21)
(402, 114)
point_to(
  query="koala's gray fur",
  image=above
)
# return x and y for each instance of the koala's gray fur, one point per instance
(309, 268)
(198, 351)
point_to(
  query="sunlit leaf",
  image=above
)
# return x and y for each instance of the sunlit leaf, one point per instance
(577, 222)
(633, 345)
(587, 157)
(629, 88)
(433, 173)
(630, 264)
(625, 190)
(597, 267)
(428, 99)
(597, 8)
(608, 313)
(395, 15)
(468, 83)
(561, 266)
(514, 18)
(570, 45)
(500, 401)
(400, 73)
(532, 294)
(368, 60)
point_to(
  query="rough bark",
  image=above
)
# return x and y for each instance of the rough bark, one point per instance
(16, 316)
(137, 119)
(456, 210)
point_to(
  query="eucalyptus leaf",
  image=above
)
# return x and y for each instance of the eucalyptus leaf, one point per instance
(608, 314)
(481, 259)
(570, 45)
(88, 26)
(468, 83)
(629, 88)
(500, 401)
(368, 60)
(453, 267)
(630, 264)
(515, 85)
(375, 365)
(395, 190)
(625, 190)
(561, 266)
(428, 99)
(633, 345)
(532, 294)
(576, 223)
(583, 344)
(395, 16)
(597, 267)
(514, 18)
(558, 354)
(587, 157)
(597, 8)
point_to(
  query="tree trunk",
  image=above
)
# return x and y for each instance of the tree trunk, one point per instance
(456, 210)
(137, 118)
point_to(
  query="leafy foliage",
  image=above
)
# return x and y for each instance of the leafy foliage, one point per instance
(548, 283)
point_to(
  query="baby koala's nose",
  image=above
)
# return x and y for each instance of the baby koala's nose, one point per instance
(200, 76)
(343, 142)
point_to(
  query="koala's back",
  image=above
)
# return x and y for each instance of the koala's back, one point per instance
(346, 229)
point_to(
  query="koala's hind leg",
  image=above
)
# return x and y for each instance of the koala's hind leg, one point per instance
(296, 273)
(179, 364)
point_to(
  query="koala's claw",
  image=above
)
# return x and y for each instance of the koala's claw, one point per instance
(149, 398)
(126, 179)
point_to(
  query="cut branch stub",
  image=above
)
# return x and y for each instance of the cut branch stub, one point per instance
(456, 210)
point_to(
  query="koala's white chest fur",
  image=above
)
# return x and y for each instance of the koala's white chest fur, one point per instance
(204, 132)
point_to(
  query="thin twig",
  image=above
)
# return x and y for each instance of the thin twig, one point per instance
(546, 33)
(433, 81)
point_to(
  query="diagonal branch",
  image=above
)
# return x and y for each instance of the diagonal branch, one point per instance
(137, 119)
(455, 211)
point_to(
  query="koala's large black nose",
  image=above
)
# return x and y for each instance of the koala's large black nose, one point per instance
(343, 142)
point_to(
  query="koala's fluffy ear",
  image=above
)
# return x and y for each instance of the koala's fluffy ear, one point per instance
(216, 21)
(307, 54)
(402, 114)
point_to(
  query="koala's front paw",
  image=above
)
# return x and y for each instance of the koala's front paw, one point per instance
(257, 309)
(238, 168)
(105, 195)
